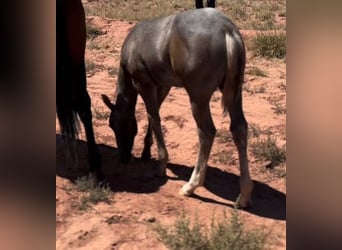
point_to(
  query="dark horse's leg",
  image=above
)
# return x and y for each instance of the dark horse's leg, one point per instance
(84, 111)
(199, 4)
(76, 45)
(211, 3)
(148, 141)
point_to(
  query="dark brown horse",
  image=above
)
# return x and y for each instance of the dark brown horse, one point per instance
(72, 98)
(200, 50)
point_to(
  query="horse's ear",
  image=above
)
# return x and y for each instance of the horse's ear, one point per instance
(108, 103)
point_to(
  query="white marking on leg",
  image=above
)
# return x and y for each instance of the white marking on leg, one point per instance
(196, 180)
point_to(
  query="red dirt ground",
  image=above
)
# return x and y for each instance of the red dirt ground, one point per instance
(137, 196)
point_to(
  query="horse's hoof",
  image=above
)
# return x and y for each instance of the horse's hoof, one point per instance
(242, 203)
(182, 193)
(186, 191)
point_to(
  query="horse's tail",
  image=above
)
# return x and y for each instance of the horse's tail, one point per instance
(66, 112)
(65, 101)
(236, 60)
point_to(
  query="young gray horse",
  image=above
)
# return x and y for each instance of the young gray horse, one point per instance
(200, 50)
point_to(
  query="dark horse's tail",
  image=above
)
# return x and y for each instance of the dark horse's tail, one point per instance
(65, 100)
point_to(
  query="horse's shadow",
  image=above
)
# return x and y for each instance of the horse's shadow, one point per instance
(139, 177)
(136, 177)
(267, 201)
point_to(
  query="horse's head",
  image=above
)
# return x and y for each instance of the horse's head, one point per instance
(124, 126)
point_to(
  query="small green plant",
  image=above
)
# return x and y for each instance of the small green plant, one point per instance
(269, 45)
(82, 184)
(224, 136)
(265, 15)
(94, 46)
(255, 130)
(260, 89)
(230, 234)
(83, 204)
(256, 71)
(254, 90)
(238, 12)
(91, 195)
(93, 31)
(279, 109)
(223, 157)
(98, 194)
(182, 235)
(279, 172)
(113, 71)
(226, 234)
(101, 115)
(268, 150)
(90, 66)
(115, 219)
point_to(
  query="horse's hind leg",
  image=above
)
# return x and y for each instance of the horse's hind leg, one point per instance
(84, 111)
(95, 173)
(206, 134)
(148, 141)
(239, 129)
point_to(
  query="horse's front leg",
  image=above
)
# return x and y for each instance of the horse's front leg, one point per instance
(153, 98)
(163, 156)
(148, 141)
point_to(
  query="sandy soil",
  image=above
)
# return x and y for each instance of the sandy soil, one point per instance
(138, 199)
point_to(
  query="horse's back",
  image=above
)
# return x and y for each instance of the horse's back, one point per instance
(206, 21)
(154, 35)
(198, 46)
(179, 48)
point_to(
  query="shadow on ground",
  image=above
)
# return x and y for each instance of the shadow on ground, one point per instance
(267, 202)
(136, 177)
(139, 177)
